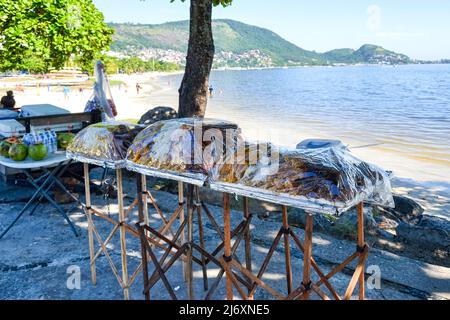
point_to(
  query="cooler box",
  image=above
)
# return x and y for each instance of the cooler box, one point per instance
(36, 110)
(49, 110)
(11, 127)
(8, 114)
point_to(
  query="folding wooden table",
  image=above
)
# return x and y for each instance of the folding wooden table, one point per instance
(182, 245)
(307, 286)
(125, 279)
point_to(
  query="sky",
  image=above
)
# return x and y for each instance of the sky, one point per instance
(418, 28)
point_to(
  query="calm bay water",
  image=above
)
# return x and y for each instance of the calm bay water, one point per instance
(402, 112)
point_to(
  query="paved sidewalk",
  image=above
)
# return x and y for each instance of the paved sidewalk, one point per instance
(36, 254)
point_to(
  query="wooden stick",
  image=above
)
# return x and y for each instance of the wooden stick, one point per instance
(321, 294)
(357, 275)
(123, 243)
(131, 207)
(190, 211)
(142, 240)
(257, 280)
(247, 239)
(222, 271)
(316, 267)
(267, 259)
(287, 249)
(231, 276)
(198, 207)
(171, 221)
(361, 244)
(308, 253)
(144, 199)
(182, 218)
(107, 240)
(156, 264)
(227, 241)
(107, 256)
(87, 191)
(212, 220)
(159, 211)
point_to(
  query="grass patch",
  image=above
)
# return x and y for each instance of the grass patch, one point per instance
(135, 121)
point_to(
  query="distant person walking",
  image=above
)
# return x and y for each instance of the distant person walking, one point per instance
(66, 91)
(211, 91)
(138, 88)
(8, 102)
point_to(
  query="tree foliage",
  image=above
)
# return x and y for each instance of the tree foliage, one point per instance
(43, 34)
(216, 3)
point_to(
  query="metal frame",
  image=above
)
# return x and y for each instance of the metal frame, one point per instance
(43, 185)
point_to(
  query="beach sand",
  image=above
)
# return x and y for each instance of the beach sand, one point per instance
(428, 184)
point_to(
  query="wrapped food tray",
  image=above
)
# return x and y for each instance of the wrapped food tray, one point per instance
(324, 180)
(103, 144)
(313, 206)
(184, 150)
(196, 179)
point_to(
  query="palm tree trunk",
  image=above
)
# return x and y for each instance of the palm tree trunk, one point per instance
(194, 87)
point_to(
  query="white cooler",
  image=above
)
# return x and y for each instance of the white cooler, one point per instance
(11, 127)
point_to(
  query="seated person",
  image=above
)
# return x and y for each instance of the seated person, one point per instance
(8, 102)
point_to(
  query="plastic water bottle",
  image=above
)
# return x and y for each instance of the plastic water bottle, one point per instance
(54, 141)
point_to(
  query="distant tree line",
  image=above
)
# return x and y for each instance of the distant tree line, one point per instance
(137, 65)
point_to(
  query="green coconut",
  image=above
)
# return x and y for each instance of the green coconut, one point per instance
(18, 152)
(37, 152)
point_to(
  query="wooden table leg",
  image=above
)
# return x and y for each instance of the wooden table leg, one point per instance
(247, 239)
(361, 244)
(182, 216)
(123, 232)
(227, 243)
(287, 249)
(198, 207)
(144, 199)
(307, 255)
(190, 212)
(87, 191)
(143, 247)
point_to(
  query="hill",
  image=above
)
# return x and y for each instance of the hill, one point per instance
(237, 45)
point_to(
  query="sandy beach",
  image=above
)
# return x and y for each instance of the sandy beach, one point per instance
(428, 184)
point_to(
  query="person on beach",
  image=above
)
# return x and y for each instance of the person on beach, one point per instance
(138, 88)
(8, 102)
(211, 91)
(66, 91)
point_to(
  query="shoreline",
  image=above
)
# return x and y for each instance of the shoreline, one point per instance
(416, 179)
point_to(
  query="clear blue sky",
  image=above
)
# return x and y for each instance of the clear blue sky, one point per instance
(418, 28)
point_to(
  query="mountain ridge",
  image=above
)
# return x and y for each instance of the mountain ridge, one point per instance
(237, 45)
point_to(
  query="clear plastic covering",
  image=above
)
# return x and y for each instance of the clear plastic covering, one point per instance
(103, 144)
(182, 148)
(319, 180)
(102, 98)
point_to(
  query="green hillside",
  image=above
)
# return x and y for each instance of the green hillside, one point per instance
(238, 44)
(368, 53)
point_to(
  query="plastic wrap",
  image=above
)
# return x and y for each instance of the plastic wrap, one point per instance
(104, 144)
(181, 149)
(319, 180)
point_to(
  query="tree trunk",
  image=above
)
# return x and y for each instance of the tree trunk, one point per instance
(194, 87)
